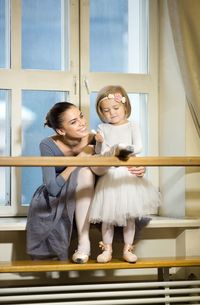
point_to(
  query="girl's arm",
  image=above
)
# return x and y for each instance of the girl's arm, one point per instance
(136, 138)
(138, 171)
(99, 137)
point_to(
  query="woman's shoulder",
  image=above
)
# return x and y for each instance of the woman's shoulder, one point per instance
(47, 146)
(47, 142)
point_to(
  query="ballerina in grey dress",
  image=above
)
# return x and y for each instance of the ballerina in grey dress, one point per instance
(63, 192)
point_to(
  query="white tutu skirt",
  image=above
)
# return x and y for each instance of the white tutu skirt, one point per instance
(120, 195)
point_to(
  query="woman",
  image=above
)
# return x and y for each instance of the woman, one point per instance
(65, 190)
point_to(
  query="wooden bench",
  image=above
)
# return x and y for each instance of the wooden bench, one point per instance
(162, 264)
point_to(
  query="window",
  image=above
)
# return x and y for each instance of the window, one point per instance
(4, 146)
(4, 33)
(45, 35)
(35, 105)
(55, 50)
(119, 29)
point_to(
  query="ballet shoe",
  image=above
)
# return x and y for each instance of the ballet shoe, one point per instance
(128, 254)
(80, 257)
(106, 255)
(123, 151)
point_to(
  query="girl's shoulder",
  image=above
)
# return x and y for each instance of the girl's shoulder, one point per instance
(102, 126)
(134, 123)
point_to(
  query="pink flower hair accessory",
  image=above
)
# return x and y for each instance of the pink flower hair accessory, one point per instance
(117, 97)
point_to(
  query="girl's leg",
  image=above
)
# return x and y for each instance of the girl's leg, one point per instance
(106, 245)
(84, 194)
(129, 233)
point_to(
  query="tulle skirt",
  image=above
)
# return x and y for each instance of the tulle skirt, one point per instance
(120, 195)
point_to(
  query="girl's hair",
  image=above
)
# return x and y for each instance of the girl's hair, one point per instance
(104, 92)
(54, 117)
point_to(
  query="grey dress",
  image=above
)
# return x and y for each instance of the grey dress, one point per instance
(51, 211)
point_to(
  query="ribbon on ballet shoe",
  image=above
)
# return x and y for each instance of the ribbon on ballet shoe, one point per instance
(101, 245)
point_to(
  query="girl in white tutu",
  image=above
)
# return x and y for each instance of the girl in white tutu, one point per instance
(120, 196)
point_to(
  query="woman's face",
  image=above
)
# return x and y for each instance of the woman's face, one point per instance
(74, 124)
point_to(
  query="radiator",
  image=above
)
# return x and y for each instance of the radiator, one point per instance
(172, 292)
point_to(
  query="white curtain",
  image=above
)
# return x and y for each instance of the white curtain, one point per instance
(185, 24)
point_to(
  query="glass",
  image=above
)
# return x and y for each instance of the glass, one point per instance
(44, 31)
(36, 104)
(119, 36)
(4, 33)
(4, 146)
(138, 114)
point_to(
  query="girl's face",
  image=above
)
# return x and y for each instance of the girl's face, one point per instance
(113, 112)
(74, 124)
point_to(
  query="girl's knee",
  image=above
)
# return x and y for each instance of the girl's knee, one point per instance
(86, 175)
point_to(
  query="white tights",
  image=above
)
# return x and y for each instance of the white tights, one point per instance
(128, 232)
(84, 194)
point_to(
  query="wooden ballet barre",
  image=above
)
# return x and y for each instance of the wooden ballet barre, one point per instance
(34, 161)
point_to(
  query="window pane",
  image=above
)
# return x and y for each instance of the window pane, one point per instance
(4, 34)
(119, 36)
(36, 104)
(44, 30)
(4, 146)
(138, 114)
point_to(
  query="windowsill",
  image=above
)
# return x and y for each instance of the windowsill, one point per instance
(19, 223)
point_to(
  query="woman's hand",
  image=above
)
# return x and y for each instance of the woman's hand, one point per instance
(87, 151)
(138, 171)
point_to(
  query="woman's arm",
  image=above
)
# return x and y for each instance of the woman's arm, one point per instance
(54, 182)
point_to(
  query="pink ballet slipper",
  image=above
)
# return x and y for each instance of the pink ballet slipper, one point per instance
(128, 254)
(106, 256)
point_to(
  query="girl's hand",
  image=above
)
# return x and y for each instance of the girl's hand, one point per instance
(98, 137)
(138, 171)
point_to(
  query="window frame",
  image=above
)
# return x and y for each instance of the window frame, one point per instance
(17, 79)
(134, 83)
(78, 81)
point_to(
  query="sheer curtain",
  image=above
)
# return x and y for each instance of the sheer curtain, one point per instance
(185, 19)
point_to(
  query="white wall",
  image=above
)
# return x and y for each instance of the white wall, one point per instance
(172, 120)
(178, 136)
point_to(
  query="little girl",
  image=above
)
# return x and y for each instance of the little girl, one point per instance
(120, 196)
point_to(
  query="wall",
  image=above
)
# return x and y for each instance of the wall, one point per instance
(193, 173)
(173, 112)
(178, 136)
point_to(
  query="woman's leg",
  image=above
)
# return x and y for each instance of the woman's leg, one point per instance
(84, 194)
(129, 233)
(106, 245)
